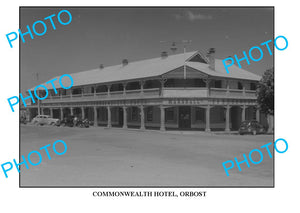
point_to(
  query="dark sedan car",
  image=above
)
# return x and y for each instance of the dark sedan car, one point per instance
(251, 127)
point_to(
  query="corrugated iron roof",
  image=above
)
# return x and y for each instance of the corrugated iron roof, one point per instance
(152, 68)
(220, 71)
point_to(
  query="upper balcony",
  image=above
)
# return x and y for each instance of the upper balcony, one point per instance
(166, 92)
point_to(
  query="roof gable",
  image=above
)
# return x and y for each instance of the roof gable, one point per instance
(220, 71)
(189, 73)
(198, 58)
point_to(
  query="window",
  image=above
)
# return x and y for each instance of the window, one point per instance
(240, 85)
(100, 89)
(170, 83)
(103, 114)
(218, 84)
(199, 114)
(170, 114)
(76, 91)
(200, 83)
(149, 114)
(133, 86)
(134, 113)
(254, 115)
(252, 86)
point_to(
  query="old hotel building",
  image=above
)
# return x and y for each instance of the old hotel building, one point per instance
(183, 91)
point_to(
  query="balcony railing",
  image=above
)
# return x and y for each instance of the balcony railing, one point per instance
(185, 92)
(196, 92)
(232, 93)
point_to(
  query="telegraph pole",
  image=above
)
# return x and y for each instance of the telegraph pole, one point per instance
(185, 42)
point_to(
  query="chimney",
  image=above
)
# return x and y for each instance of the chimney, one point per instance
(101, 66)
(211, 58)
(124, 62)
(164, 55)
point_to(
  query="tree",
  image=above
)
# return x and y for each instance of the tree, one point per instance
(265, 96)
(265, 92)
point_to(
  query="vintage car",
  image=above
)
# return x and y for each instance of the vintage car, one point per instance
(251, 127)
(45, 120)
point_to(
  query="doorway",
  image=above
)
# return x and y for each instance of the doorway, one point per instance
(121, 118)
(184, 117)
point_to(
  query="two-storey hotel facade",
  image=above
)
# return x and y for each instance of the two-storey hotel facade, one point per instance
(183, 91)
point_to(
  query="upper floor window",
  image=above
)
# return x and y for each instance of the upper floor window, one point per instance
(218, 84)
(76, 91)
(240, 85)
(133, 86)
(252, 86)
(200, 83)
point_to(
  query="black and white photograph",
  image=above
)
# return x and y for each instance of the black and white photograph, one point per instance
(143, 97)
(152, 106)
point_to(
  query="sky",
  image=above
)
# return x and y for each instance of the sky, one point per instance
(108, 35)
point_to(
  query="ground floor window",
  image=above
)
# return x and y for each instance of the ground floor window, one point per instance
(149, 114)
(170, 114)
(199, 114)
(103, 114)
(134, 113)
